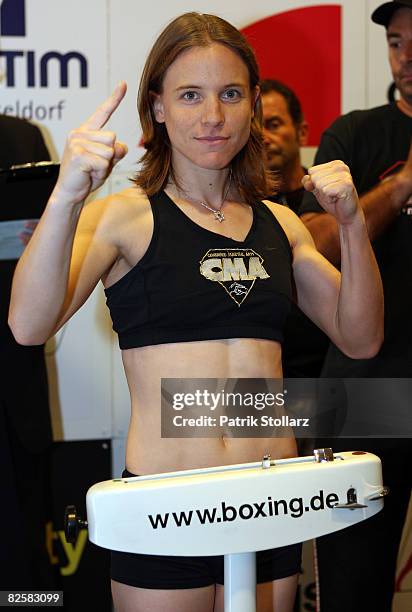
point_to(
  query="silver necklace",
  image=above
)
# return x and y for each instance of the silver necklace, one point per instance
(219, 216)
(217, 212)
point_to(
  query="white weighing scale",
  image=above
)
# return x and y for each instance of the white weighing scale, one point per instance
(233, 510)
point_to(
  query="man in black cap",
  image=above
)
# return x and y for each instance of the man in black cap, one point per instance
(383, 14)
(357, 565)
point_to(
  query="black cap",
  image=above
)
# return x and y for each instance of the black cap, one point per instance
(383, 14)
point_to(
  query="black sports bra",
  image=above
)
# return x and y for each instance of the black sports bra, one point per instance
(193, 284)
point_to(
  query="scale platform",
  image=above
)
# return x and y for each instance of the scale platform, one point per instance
(234, 510)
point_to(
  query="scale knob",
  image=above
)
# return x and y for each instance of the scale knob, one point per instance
(323, 455)
(352, 501)
(72, 524)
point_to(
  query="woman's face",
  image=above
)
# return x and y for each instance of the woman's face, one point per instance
(207, 107)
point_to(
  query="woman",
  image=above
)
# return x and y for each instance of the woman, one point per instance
(197, 193)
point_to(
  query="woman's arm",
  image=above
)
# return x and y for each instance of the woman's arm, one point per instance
(348, 306)
(71, 248)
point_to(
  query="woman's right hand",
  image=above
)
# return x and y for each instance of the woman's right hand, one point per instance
(90, 153)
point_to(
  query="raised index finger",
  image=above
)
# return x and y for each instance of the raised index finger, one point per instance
(103, 112)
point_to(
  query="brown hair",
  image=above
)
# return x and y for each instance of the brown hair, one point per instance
(249, 176)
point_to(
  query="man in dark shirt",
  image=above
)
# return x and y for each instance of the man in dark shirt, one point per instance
(285, 131)
(25, 428)
(357, 566)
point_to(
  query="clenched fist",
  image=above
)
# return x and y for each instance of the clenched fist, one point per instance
(91, 153)
(333, 187)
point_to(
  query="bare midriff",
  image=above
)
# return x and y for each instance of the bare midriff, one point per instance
(147, 452)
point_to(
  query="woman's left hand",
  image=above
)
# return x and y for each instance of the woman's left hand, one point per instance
(333, 187)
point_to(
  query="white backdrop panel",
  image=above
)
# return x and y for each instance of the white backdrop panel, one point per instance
(63, 27)
(79, 358)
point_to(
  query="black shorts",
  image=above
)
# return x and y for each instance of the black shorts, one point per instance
(169, 572)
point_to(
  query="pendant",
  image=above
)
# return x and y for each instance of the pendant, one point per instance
(219, 216)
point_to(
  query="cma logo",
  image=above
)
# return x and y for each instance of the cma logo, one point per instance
(228, 269)
(228, 266)
(35, 68)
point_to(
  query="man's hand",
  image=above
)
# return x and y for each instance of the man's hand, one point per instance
(403, 182)
(333, 187)
(27, 231)
(91, 152)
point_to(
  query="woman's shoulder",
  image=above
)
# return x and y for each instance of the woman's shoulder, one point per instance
(289, 221)
(120, 224)
(127, 201)
(114, 210)
(280, 210)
